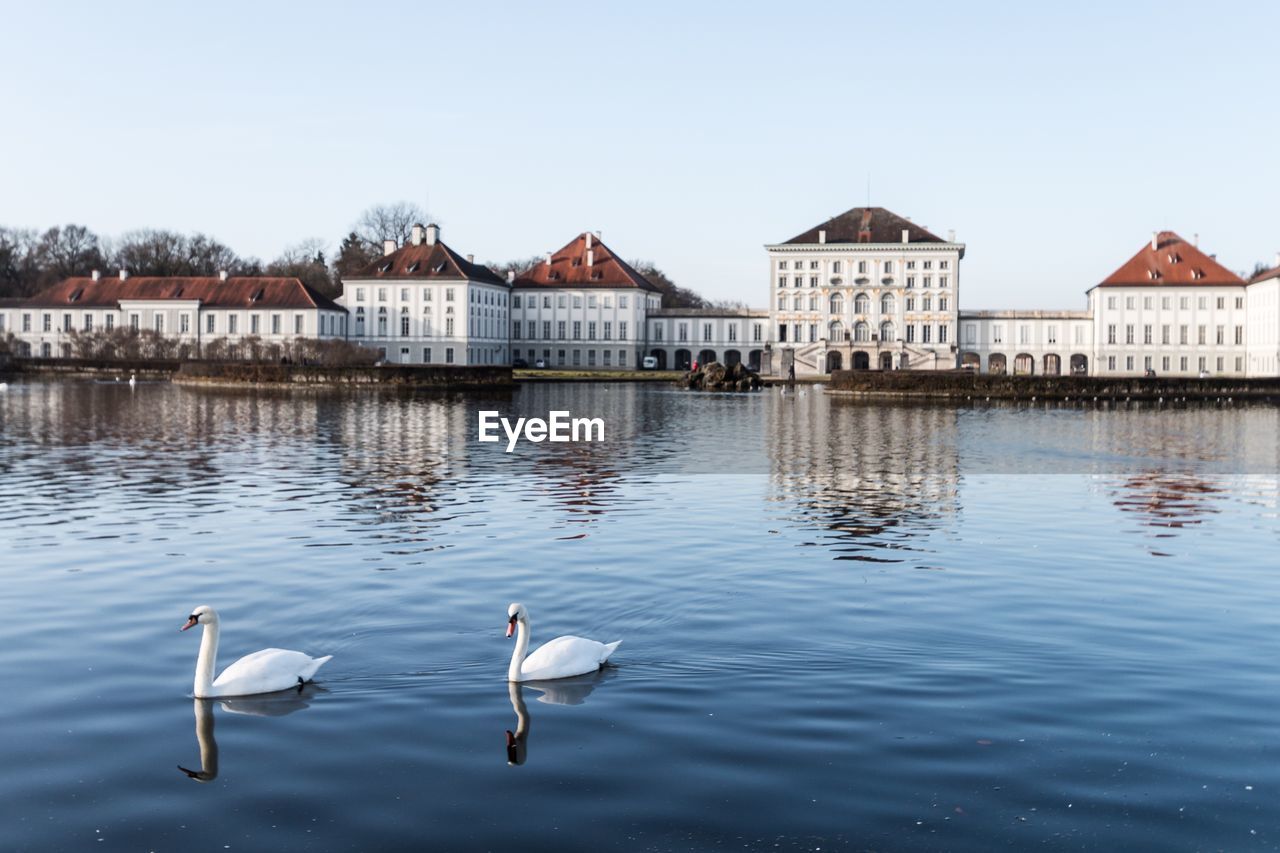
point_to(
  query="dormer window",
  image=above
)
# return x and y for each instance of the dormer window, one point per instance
(1174, 257)
(1153, 274)
(1197, 274)
(75, 295)
(440, 267)
(413, 267)
(385, 267)
(597, 275)
(257, 295)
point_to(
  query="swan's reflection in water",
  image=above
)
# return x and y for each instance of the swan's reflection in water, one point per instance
(266, 705)
(562, 691)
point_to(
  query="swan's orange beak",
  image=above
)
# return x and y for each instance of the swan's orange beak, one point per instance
(191, 623)
(511, 626)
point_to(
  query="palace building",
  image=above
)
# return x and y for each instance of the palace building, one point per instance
(865, 289)
(423, 303)
(197, 313)
(581, 307)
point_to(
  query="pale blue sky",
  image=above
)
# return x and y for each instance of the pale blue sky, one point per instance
(1054, 139)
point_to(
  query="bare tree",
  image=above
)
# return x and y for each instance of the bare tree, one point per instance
(673, 295)
(164, 253)
(393, 221)
(306, 261)
(66, 251)
(517, 266)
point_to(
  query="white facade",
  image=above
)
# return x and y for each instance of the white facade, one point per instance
(574, 327)
(49, 324)
(848, 294)
(1174, 331)
(421, 303)
(1027, 342)
(1262, 324)
(680, 336)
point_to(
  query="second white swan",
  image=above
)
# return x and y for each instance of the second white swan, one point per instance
(261, 672)
(559, 658)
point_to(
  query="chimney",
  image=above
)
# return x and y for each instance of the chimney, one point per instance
(597, 236)
(1195, 239)
(511, 276)
(124, 275)
(388, 246)
(222, 275)
(591, 257)
(471, 259)
(588, 243)
(548, 259)
(97, 276)
(951, 235)
(906, 235)
(433, 234)
(822, 236)
(1278, 259)
(417, 235)
(1155, 240)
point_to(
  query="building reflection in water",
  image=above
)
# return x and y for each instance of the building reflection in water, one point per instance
(872, 478)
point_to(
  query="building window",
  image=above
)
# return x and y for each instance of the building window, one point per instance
(1200, 334)
(997, 333)
(1239, 335)
(911, 281)
(1164, 334)
(942, 333)
(448, 355)
(608, 358)
(254, 324)
(577, 301)
(1111, 333)
(591, 358)
(1222, 303)
(233, 321)
(1051, 334)
(111, 322)
(1239, 305)
(622, 331)
(682, 330)
(577, 330)
(925, 332)
(911, 333)
(733, 332)
(1128, 303)
(1128, 362)
(159, 323)
(1146, 334)
(757, 332)
(591, 330)
(577, 357)
(1111, 303)
(813, 333)
(1128, 333)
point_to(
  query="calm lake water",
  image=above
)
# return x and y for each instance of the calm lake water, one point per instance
(845, 625)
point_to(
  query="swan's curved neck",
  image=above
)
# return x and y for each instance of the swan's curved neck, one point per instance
(519, 652)
(207, 661)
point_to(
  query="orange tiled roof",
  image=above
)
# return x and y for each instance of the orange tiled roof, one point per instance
(428, 260)
(1171, 261)
(211, 291)
(571, 267)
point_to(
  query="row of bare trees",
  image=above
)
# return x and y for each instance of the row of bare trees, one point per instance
(31, 260)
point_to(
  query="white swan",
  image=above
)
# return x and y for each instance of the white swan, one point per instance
(261, 672)
(133, 379)
(560, 658)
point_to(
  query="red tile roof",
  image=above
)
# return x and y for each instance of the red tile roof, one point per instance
(867, 225)
(211, 291)
(569, 267)
(428, 261)
(1172, 261)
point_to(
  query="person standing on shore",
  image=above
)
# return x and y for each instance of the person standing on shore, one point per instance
(791, 374)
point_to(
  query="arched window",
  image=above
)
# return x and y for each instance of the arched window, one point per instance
(861, 331)
(861, 304)
(835, 331)
(886, 304)
(886, 331)
(797, 303)
(837, 303)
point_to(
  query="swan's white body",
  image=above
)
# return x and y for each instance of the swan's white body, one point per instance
(261, 672)
(560, 658)
(133, 379)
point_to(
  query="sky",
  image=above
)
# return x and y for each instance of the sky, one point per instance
(1053, 138)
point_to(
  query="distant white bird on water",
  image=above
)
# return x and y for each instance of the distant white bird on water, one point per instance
(261, 672)
(133, 379)
(4, 386)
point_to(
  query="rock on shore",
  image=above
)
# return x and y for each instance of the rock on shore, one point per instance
(716, 377)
